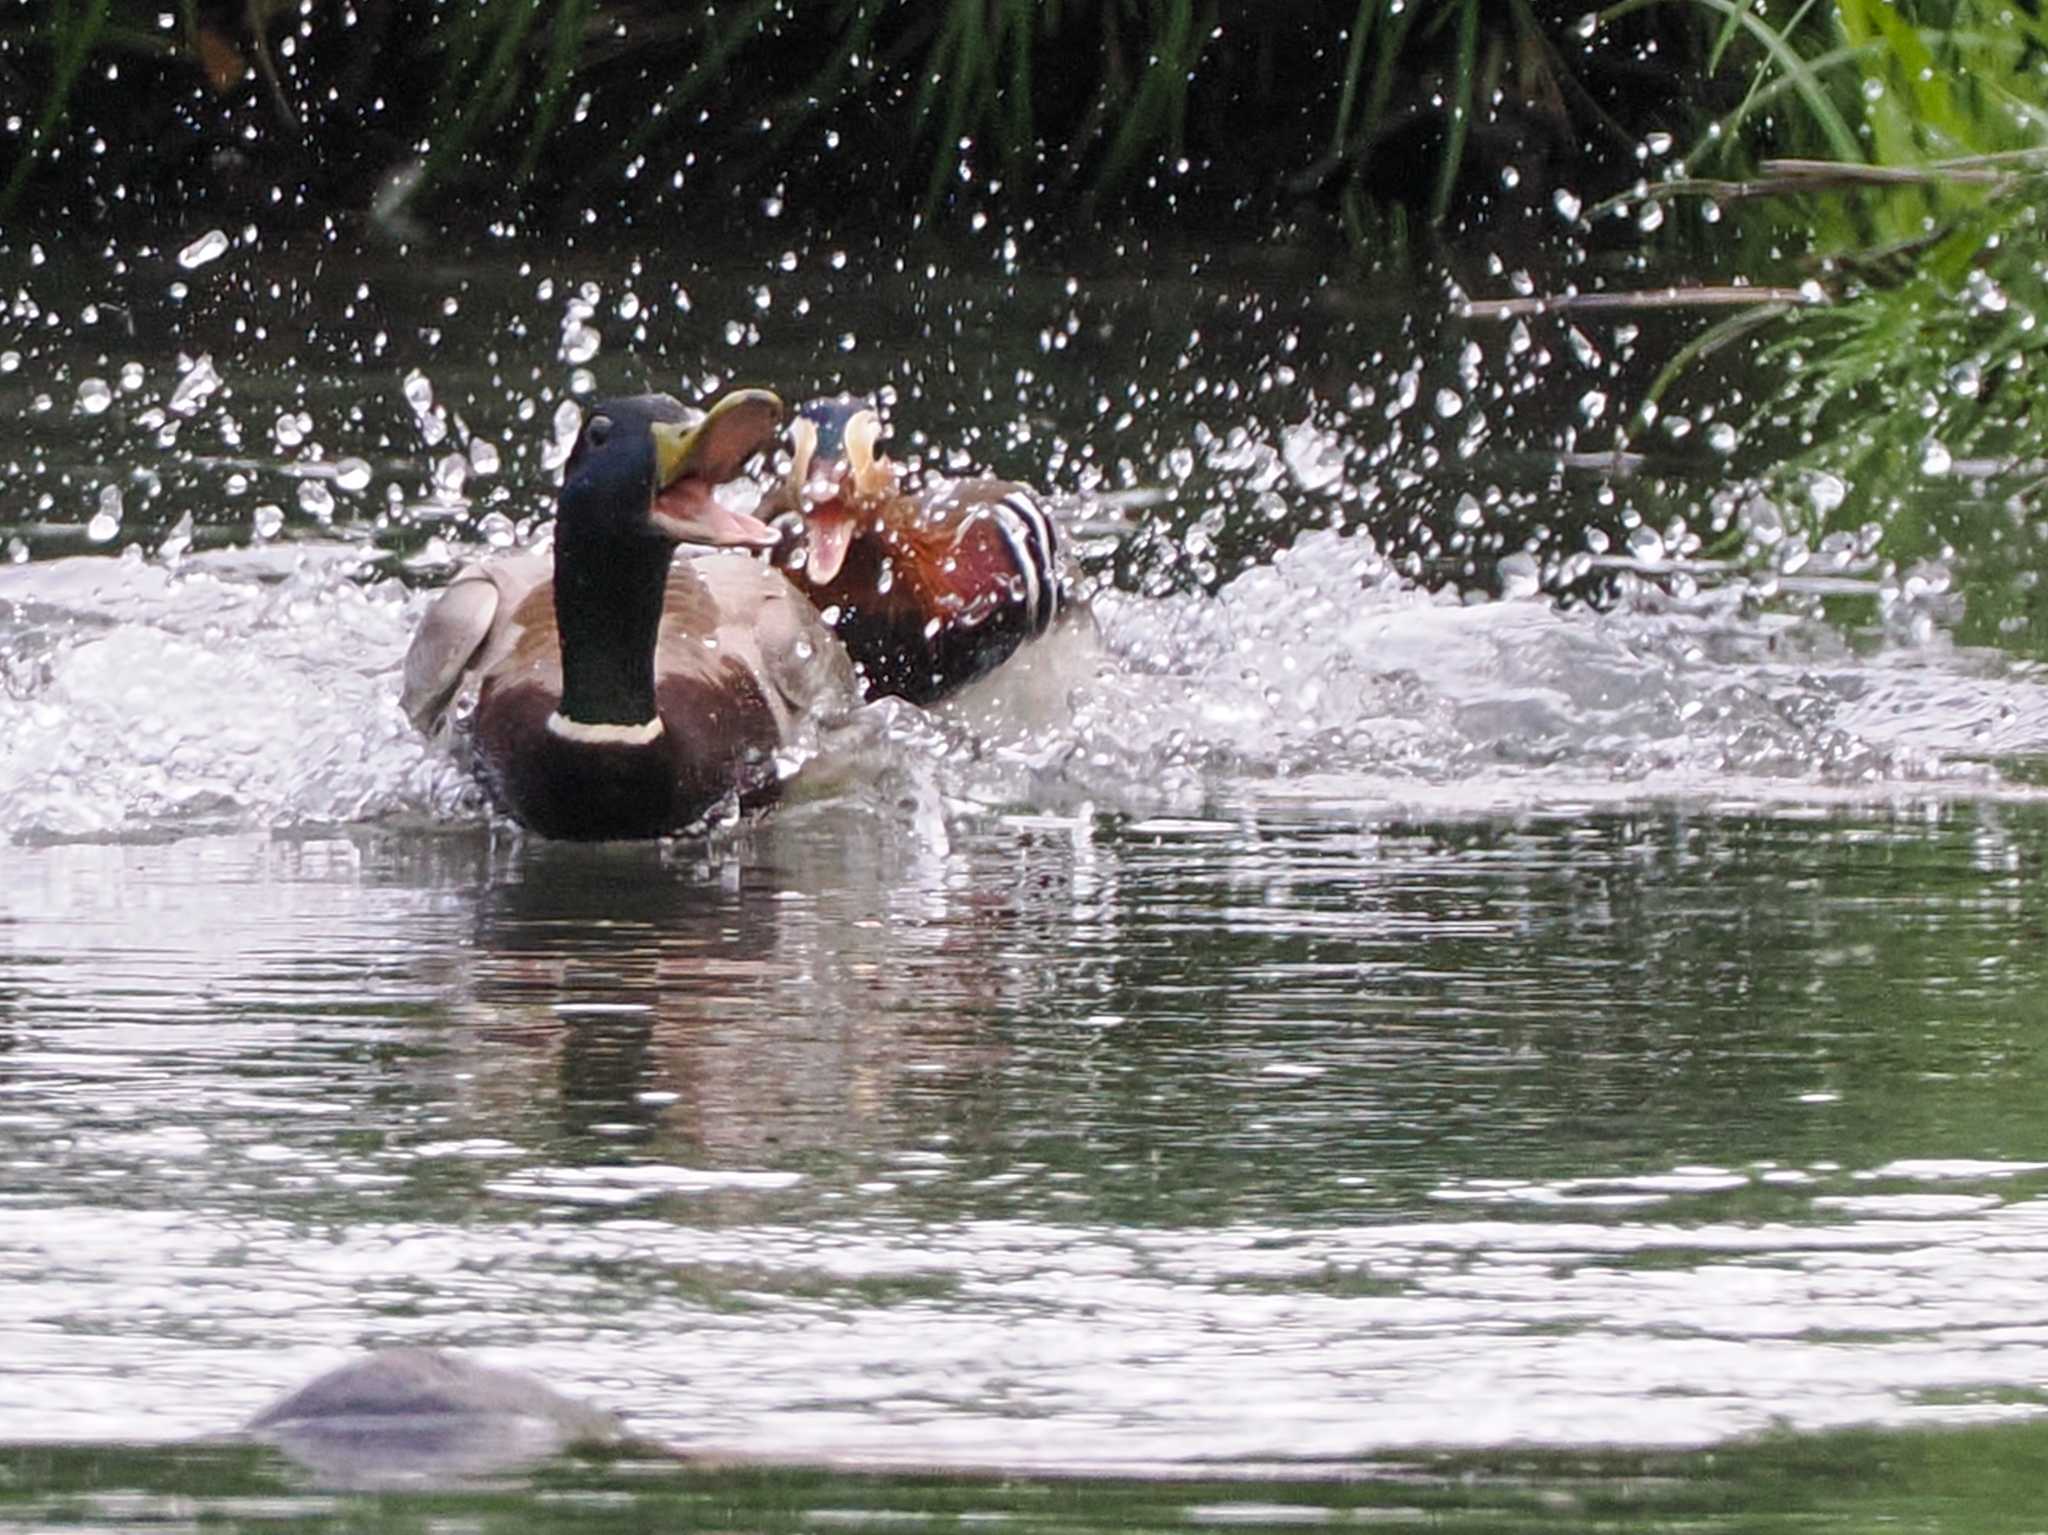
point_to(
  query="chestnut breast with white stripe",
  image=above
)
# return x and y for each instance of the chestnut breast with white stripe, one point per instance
(940, 586)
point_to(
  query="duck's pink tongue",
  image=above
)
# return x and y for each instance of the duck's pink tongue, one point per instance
(690, 514)
(828, 538)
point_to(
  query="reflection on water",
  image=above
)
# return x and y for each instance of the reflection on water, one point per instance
(1335, 1027)
(1092, 1143)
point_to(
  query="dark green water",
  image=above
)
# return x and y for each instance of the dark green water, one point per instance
(1344, 1047)
(1302, 1144)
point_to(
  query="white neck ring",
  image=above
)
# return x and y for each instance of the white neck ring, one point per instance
(643, 734)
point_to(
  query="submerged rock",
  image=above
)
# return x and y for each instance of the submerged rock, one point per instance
(417, 1414)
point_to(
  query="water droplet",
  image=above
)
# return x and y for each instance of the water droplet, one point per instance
(1826, 491)
(1593, 404)
(451, 471)
(1315, 458)
(1567, 204)
(176, 542)
(291, 428)
(316, 499)
(1449, 402)
(1646, 543)
(268, 519)
(419, 392)
(9, 361)
(580, 342)
(1983, 294)
(1935, 460)
(195, 386)
(94, 396)
(1520, 575)
(483, 456)
(210, 246)
(1762, 521)
(1721, 437)
(106, 521)
(352, 474)
(1468, 512)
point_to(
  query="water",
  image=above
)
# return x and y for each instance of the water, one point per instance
(1336, 1044)
(1298, 1141)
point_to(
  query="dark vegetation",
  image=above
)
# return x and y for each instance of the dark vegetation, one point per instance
(1199, 109)
(1883, 154)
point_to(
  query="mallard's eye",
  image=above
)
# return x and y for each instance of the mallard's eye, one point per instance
(599, 429)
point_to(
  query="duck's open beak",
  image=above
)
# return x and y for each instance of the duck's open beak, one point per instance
(832, 518)
(690, 460)
(828, 533)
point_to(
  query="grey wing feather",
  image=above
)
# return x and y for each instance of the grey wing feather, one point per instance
(775, 629)
(463, 631)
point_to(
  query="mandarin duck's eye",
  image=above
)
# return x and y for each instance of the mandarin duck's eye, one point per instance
(595, 434)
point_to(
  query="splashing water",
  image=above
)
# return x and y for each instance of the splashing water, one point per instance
(243, 690)
(258, 689)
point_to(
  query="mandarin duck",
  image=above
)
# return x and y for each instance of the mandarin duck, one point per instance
(929, 585)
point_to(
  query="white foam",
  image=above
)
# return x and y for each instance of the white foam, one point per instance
(259, 690)
(242, 691)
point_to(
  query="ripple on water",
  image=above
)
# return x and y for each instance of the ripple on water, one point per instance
(1060, 1346)
(848, 1151)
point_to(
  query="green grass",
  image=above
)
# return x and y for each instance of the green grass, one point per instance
(1089, 101)
(77, 27)
(1920, 216)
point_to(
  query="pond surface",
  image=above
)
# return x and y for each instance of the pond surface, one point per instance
(1341, 1044)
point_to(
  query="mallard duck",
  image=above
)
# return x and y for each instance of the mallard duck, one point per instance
(930, 585)
(622, 692)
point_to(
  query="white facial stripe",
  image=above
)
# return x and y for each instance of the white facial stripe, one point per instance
(1022, 556)
(643, 734)
(1028, 532)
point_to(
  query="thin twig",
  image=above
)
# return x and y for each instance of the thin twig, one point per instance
(1719, 297)
(1834, 172)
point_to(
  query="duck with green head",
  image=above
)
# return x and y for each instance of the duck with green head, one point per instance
(622, 692)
